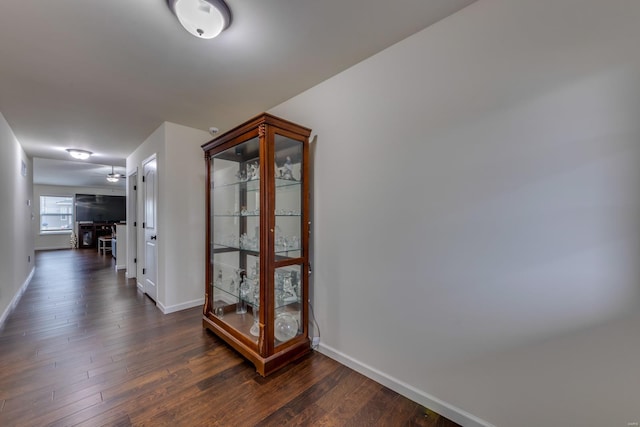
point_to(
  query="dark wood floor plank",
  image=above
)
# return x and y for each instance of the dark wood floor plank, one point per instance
(351, 382)
(343, 412)
(370, 413)
(125, 402)
(84, 347)
(253, 401)
(310, 396)
(40, 419)
(399, 413)
(145, 402)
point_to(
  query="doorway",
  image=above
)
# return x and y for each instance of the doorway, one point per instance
(132, 225)
(150, 227)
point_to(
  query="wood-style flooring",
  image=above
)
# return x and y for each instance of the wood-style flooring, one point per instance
(85, 347)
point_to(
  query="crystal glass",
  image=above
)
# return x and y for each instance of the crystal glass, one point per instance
(255, 328)
(287, 303)
(286, 326)
(243, 292)
(288, 198)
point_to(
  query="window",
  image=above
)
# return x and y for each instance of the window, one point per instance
(56, 213)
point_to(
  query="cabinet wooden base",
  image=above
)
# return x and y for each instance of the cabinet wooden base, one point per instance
(264, 365)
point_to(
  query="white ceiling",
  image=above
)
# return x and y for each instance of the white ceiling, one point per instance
(102, 75)
(75, 174)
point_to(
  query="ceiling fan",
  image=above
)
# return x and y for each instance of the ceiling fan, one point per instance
(114, 177)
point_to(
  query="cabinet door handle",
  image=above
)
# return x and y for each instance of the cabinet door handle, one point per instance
(154, 237)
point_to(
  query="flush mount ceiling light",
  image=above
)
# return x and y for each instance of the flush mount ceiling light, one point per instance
(204, 19)
(114, 177)
(79, 154)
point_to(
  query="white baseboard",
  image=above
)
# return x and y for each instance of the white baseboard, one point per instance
(181, 306)
(53, 248)
(140, 286)
(16, 297)
(443, 408)
(120, 267)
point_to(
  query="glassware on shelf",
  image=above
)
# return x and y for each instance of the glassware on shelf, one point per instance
(286, 243)
(232, 285)
(295, 283)
(287, 212)
(249, 243)
(295, 243)
(255, 328)
(278, 286)
(243, 292)
(245, 212)
(288, 291)
(286, 171)
(218, 282)
(255, 270)
(219, 312)
(256, 292)
(286, 326)
(241, 175)
(254, 171)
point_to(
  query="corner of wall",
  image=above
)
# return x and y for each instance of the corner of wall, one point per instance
(16, 217)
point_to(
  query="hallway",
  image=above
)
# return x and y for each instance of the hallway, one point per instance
(85, 347)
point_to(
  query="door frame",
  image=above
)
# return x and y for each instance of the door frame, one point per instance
(132, 220)
(142, 247)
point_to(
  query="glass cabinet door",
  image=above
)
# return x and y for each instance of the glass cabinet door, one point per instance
(288, 197)
(288, 214)
(288, 304)
(235, 237)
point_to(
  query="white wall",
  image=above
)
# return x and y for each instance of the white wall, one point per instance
(185, 223)
(181, 213)
(477, 213)
(60, 240)
(154, 144)
(16, 238)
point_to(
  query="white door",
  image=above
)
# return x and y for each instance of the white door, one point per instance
(149, 224)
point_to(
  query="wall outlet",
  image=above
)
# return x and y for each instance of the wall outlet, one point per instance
(316, 341)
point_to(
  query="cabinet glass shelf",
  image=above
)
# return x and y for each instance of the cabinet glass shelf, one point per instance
(218, 248)
(254, 185)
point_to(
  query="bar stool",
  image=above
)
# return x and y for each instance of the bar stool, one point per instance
(102, 244)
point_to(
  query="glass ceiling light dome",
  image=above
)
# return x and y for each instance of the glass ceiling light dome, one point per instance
(79, 154)
(204, 19)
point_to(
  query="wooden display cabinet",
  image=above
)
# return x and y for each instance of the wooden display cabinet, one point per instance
(257, 270)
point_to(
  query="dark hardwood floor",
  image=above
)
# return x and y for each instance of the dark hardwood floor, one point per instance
(84, 347)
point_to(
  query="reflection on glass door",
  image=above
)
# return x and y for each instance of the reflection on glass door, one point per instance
(235, 237)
